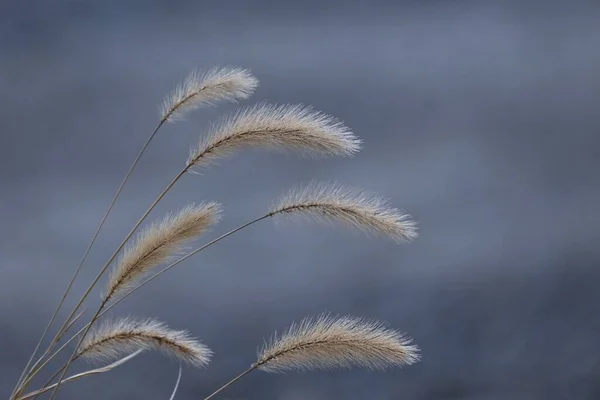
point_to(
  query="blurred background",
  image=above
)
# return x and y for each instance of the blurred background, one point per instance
(480, 118)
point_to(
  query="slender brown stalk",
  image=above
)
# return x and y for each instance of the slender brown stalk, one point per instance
(199, 249)
(231, 382)
(73, 321)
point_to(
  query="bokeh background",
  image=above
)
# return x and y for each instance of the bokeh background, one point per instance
(480, 118)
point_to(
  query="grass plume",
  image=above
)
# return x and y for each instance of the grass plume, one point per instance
(217, 84)
(158, 243)
(319, 343)
(341, 342)
(113, 339)
(357, 208)
(276, 127)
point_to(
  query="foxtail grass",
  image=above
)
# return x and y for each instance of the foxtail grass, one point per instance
(324, 342)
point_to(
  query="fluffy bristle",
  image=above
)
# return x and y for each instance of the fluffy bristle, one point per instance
(158, 243)
(217, 84)
(337, 342)
(114, 339)
(277, 127)
(332, 202)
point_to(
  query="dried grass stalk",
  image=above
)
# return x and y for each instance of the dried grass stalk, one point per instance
(341, 342)
(226, 83)
(158, 243)
(101, 370)
(114, 339)
(333, 202)
(278, 127)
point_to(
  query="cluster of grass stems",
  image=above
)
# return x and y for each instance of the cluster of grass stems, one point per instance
(324, 341)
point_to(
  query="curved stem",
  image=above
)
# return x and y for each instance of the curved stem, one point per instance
(100, 370)
(199, 249)
(26, 370)
(231, 382)
(176, 384)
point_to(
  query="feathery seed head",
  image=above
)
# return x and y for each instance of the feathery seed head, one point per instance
(114, 339)
(158, 243)
(277, 127)
(331, 202)
(226, 83)
(336, 342)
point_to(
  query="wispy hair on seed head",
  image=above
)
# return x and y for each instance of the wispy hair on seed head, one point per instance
(333, 202)
(114, 339)
(286, 127)
(158, 243)
(329, 342)
(198, 89)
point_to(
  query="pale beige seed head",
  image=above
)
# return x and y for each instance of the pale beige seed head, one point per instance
(217, 84)
(159, 242)
(276, 127)
(333, 202)
(336, 342)
(114, 339)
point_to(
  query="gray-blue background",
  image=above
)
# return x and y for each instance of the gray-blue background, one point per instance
(480, 118)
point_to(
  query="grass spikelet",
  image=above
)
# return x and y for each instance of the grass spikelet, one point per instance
(341, 342)
(113, 339)
(157, 243)
(333, 202)
(217, 84)
(277, 127)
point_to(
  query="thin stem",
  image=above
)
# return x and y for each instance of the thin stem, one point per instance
(162, 121)
(176, 384)
(87, 292)
(26, 370)
(74, 354)
(234, 380)
(199, 249)
(107, 309)
(73, 321)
